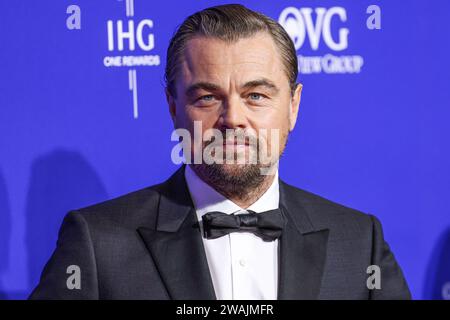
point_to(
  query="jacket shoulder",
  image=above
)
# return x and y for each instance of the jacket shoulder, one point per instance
(326, 213)
(137, 208)
(128, 210)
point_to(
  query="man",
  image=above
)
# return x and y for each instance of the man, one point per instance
(225, 229)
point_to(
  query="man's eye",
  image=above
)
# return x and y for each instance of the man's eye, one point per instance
(255, 96)
(208, 97)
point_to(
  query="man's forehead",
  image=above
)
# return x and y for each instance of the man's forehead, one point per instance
(207, 57)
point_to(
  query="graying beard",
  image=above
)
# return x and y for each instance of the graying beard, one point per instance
(232, 185)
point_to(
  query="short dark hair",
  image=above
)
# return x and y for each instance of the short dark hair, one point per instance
(229, 23)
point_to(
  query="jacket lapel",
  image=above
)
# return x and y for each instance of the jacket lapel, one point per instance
(176, 245)
(302, 251)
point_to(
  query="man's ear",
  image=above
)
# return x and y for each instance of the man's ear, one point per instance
(172, 106)
(295, 105)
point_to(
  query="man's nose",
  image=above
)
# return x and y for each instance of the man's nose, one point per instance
(233, 115)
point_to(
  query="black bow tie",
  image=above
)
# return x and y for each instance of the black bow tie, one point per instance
(267, 225)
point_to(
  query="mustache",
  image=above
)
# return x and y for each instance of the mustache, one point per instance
(238, 137)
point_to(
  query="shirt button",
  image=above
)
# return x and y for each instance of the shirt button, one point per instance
(242, 262)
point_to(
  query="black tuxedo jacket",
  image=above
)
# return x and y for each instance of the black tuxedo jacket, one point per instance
(147, 245)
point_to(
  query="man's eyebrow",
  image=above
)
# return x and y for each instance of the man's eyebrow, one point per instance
(263, 82)
(207, 86)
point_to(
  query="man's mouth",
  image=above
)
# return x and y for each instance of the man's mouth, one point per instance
(235, 143)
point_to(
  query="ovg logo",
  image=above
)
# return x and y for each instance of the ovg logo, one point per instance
(130, 43)
(308, 25)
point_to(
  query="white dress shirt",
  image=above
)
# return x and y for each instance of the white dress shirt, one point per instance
(242, 265)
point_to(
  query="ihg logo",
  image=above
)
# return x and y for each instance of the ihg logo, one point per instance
(299, 24)
(136, 35)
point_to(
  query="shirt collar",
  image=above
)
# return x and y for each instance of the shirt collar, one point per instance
(207, 199)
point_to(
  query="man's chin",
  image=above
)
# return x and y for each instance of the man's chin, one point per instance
(229, 172)
(229, 169)
(232, 180)
(233, 168)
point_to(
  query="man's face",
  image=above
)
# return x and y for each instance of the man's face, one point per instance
(241, 86)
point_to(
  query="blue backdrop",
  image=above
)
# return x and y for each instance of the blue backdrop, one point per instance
(83, 119)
